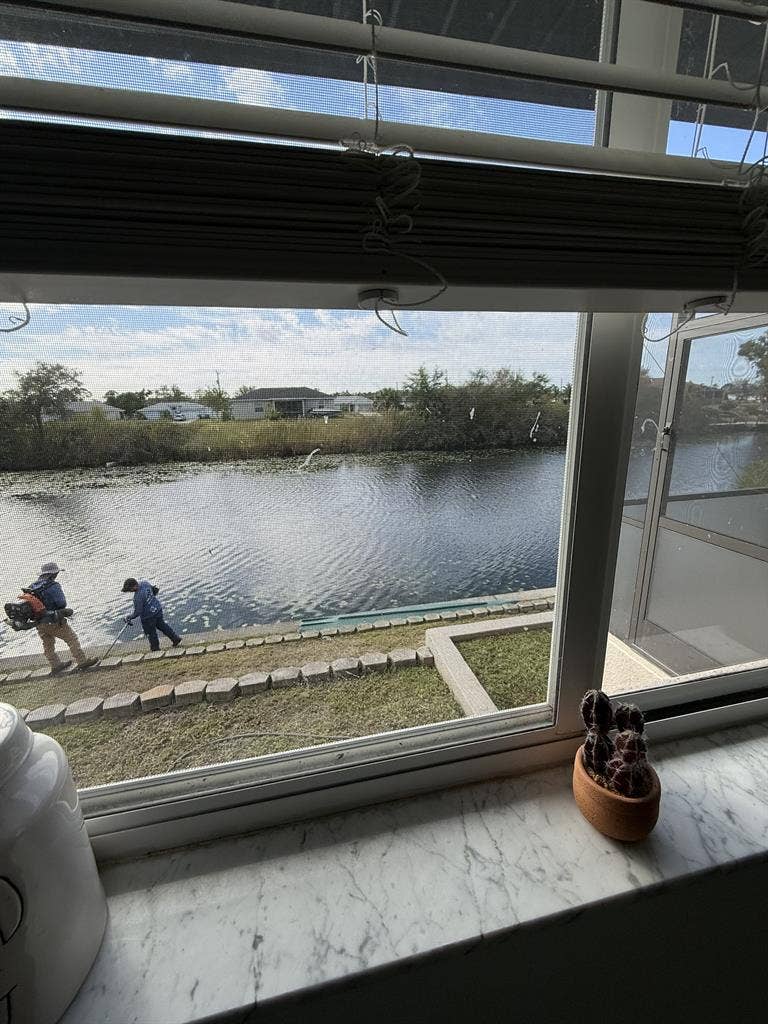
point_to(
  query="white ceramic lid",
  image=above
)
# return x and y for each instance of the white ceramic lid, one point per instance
(15, 741)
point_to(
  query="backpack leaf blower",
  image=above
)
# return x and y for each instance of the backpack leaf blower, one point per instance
(29, 611)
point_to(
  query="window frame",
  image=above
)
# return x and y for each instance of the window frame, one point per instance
(719, 683)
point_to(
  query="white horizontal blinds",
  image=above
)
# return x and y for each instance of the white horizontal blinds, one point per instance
(440, 51)
(94, 201)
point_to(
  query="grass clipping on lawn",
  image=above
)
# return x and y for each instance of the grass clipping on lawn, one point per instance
(513, 667)
(301, 716)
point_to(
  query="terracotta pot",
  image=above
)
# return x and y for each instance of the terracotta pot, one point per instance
(620, 817)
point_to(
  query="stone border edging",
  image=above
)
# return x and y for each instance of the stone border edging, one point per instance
(221, 690)
(466, 688)
(534, 603)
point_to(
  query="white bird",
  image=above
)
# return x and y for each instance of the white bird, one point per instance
(306, 462)
(472, 413)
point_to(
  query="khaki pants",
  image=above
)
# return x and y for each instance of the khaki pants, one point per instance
(50, 633)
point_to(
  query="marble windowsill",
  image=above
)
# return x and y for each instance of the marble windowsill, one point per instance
(214, 929)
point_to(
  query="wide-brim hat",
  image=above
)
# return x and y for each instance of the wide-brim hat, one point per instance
(49, 569)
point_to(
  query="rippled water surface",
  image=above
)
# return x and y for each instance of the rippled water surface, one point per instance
(237, 544)
(231, 545)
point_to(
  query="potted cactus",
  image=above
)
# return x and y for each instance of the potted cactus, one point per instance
(615, 788)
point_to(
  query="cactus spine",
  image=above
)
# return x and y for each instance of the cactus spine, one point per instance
(628, 772)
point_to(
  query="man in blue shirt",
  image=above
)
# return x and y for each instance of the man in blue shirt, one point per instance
(50, 593)
(148, 609)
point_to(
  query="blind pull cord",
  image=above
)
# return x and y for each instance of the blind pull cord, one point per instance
(397, 195)
(18, 322)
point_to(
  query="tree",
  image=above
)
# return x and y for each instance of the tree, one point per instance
(129, 401)
(542, 387)
(216, 398)
(426, 392)
(387, 400)
(46, 389)
(15, 433)
(756, 351)
(169, 394)
(243, 390)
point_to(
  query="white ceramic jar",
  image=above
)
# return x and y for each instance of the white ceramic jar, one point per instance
(52, 906)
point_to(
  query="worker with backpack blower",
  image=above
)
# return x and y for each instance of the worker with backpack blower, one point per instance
(53, 625)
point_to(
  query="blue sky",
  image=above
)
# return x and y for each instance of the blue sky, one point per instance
(128, 347)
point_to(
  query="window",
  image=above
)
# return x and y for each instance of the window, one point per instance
(184, 63)
(305, 538)
(690, 596)
(288, 344)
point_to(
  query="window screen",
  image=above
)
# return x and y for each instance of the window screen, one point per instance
(309, 491)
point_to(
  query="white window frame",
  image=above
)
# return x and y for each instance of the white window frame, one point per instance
(137, 816)
(729, 681)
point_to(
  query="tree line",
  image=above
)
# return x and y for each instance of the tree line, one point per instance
(504, 409)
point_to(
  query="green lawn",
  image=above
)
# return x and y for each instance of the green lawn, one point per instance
(285, 719)
(143, 676)
(513, 667)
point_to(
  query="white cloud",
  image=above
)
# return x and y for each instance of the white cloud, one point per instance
(250, 85)
(331, 350)
(40, 61)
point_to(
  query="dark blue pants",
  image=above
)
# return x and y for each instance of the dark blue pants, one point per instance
(151, 626)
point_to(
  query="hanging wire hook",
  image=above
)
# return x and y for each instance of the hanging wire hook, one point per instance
(395, 325)
(370, 14)
(19, 324)
(397, 193)
(664, 337)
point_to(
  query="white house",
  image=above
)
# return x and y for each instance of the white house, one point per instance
(259, 402)
(177, 410)
(361, 404)
(86, 408)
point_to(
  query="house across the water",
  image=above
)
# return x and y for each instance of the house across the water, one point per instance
(178, 411)
(360, 404)
(295, 402)
(87, 407)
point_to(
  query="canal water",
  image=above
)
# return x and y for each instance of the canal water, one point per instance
(232, 545)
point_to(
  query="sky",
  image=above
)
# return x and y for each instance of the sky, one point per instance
(127, 348)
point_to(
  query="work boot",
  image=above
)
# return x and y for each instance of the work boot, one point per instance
(88, 663)
(56, 669)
